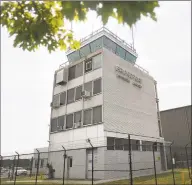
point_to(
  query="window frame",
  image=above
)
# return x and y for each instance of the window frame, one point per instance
(88, 61)
(56, 118)
(73, 95)
(72, 122)
(91, 116)
(100, 78)
(65, 98)
(95, 123)
(112, 146)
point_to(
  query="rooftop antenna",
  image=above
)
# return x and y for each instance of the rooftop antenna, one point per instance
(132, 36)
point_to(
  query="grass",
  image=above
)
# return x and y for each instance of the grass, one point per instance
(181, 178)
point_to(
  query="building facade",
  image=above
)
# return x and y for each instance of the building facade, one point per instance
(176, 125)
(101, 94)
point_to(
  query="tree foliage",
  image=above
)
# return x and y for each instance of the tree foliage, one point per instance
(43, 23)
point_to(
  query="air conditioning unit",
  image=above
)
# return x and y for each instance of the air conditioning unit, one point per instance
(85, 94)
(77, 125)
(62, 76)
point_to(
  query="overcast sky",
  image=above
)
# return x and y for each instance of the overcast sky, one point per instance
(164, 49)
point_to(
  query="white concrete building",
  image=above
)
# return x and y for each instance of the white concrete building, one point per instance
(101, 94)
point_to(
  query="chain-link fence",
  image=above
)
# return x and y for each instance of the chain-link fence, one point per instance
(125, 162)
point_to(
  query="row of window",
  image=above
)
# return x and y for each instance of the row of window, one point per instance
(123, 144)
(90, 116)
(74, 94)
(98, 44)
(88, 65)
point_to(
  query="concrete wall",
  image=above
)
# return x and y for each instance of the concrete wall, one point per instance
(126, 107)
(176, 125)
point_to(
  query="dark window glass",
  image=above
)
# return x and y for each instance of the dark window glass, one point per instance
(110, 143)
(87, 117)
(70, 95)
(71, 73)
(69, 121)
(97, 86)
(126, 144)
(79, 70)
(88, 65)
(63, 98)
(77, 117)
(135, 144)
(71, 162)
(61, 122)
(78, 93)
(155, 146)
(54, 124)
(118, 144)
(88, 87)
(97, 114)
(42, 163)
(146, 146)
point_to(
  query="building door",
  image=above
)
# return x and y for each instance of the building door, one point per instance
(89, 162)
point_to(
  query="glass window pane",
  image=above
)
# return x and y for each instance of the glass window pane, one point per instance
(70, 95)
(69, 121)
(109, 44)
(87, 117)
(79, 70)
(126, 144)
(88, 65)
(97, 114)
(88, 87)
(130, 58)
(61, 122)
(118, 144)
(71, 73)
(110, 143)
(135, 144)
(78, 93)
(54, 124)
(96, 61)
(77, 117)
(120, 52)
(74, 56)
(84, 51)
(97, 86)
(96, 45)
(63, 98)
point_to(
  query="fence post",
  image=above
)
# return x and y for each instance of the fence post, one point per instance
(155, 173)
(88, 140)
(187, 160)
(16, 168)
(130, 160)
(1, 161)
(37, 172)
(172, 163)
(31, 167)
(64, 156)
(13, 168)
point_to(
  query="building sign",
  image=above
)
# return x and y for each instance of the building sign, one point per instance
(127, 76)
